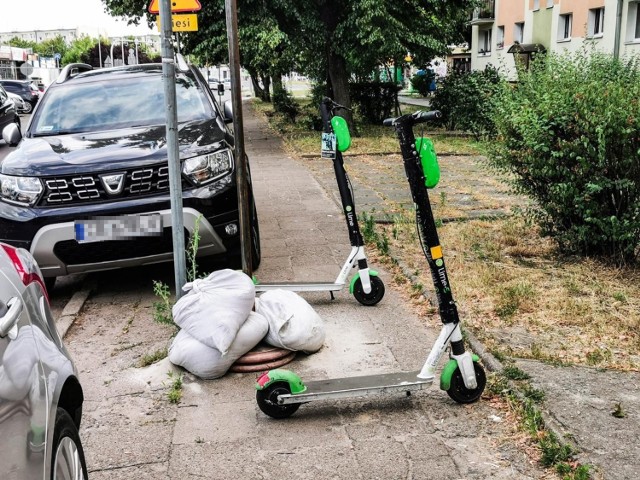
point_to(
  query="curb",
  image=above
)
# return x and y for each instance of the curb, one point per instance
(72, 309)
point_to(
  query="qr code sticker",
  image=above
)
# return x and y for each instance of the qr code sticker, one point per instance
(328, 145)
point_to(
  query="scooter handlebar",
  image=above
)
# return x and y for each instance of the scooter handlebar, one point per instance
(418, 117)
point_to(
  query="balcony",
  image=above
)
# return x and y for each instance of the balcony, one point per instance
(485, 14)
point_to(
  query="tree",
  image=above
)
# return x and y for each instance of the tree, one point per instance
(333, 40)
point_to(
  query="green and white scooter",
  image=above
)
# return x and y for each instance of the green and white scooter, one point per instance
(366, 286)
(280, 392)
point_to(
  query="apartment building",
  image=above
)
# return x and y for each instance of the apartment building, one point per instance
(503, 30)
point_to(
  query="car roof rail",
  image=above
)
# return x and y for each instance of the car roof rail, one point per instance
(72, 70)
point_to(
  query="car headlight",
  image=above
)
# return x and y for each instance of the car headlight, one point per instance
(206, 168)
(22, 190)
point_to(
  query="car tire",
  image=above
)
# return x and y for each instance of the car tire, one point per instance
(27, 107)
(67, 455)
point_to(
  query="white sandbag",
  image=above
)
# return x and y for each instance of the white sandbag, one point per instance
(208, 363)
(293, 323)
(215, 307)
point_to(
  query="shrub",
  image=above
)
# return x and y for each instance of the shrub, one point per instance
(374, 101)
(466, 101)
(283, 102)
(569, 132)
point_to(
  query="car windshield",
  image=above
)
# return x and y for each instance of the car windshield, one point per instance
(126, 102)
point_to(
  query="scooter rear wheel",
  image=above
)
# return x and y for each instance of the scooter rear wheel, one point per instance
(374, 296)
(460, 393)
(268, 401)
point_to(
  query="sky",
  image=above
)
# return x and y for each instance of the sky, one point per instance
(88, 15)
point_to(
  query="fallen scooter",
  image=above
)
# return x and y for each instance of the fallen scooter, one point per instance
(280, 392)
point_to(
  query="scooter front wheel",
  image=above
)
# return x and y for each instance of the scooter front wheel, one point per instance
(267, 399)
(374, 296)
(460, 393)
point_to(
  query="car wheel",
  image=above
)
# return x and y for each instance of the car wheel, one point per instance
(256, 252)
(27, 107)
(67, 456)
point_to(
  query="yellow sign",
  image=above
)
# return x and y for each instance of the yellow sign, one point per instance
(182, 23)
(177, 6)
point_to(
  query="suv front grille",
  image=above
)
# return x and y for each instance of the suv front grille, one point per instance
(92, 188)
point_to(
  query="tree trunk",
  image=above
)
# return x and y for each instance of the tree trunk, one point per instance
(257, 89)
(340, 84)
(266, 81)
(276, 80)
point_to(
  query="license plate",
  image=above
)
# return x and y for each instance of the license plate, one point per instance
(117, 228)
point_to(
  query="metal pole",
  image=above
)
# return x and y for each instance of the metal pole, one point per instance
(175, 184)
(238, 129)
(122, 49)
(616, 39)
(99, 51)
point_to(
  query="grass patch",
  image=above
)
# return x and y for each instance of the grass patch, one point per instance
(151, 358)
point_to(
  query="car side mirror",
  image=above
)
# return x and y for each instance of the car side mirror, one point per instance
(221, 89)
(228, 112)
(11, 134)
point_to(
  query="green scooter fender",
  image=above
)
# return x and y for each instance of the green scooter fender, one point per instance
(447, 372)
(281, 375)
(341, 129)
(372, 273)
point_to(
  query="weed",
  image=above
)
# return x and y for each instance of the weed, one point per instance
(175, 390)
(620, 297)
(162, 309)
(598, 356)
(501, 357)
(443, 198)
(368, 227)
(151, 358)
(534, 394)
(552, 451)
(618, 412)
(514, 373)
(199, 440)
(511, 298)
(382, 242)
(192, 250)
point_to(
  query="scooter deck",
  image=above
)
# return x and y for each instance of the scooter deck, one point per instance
(362, 386)
(300, 287)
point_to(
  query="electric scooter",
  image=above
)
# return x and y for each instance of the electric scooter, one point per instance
(280, 392)
(366, 286)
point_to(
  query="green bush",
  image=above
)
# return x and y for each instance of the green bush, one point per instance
(284, 103)
(374, 101)
(466, 101)
(569, 133)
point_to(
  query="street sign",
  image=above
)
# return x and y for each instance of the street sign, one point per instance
(177, 6)
(57, 56)
(182, 23)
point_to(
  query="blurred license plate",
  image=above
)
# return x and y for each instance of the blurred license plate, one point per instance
(117, 228)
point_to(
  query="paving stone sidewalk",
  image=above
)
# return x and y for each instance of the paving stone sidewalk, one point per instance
(130, 430)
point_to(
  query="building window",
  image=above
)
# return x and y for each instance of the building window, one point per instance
(549, 3)
(564, 27)
(484, 42)
(518, 32)
(637, 29)
(596, 22)
(536, 4)
(500, 42)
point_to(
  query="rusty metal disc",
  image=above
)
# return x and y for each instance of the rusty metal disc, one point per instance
(261, 367)
(262, 354)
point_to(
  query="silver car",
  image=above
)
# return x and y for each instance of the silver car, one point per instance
(40, 395)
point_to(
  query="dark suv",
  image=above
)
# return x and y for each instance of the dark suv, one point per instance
(87, 188)
(26, 90)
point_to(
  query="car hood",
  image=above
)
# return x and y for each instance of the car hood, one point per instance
(110, 150)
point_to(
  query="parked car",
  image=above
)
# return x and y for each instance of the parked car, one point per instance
(20, 104)
(87, 188)
(40, 395)
(8, 111)
(27, 90)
